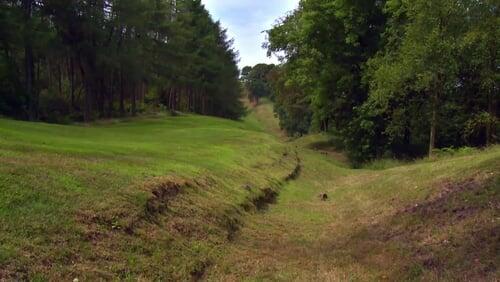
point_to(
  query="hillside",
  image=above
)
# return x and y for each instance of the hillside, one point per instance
(150, 198)
(179, 198)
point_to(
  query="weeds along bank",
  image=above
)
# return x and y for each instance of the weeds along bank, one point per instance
(151, 198)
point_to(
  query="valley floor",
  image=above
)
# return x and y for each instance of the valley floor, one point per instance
(428, 221)
(425, 222)
(194, 198)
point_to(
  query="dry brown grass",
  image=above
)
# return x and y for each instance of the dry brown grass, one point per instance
(376, 225)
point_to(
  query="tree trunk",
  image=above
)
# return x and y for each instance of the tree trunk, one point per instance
(87, 103)
(195, 96)
(169, 100)
(172, 100)
(144, 90)
(122, 96)
(101, 97)
(60, 79)
(189, 99)
(134, 102)
(490, 128)
(432, 139)
(111, 97)
(177, 100)
(72, 81)
(203, 103)
(29, 65)
(492, 98)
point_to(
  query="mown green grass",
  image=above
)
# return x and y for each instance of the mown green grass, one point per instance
(70, 194)
(366, 231)
(52, 174)
(302, 238)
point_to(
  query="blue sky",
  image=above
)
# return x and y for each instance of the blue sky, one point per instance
(245, 21)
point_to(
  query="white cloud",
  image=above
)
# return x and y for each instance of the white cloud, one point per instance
(246, 20)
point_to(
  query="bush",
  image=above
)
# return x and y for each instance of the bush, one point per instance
(54, 109)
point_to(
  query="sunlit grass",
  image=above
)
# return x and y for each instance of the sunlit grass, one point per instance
(49, 174)
(67, 194)
(347, 237)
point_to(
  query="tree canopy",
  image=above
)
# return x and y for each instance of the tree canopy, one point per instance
(256, 81)
(390, 78)
(82, 60)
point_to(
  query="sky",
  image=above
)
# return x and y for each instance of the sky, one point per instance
(246, 20)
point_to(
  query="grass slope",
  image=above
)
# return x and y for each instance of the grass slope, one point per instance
(149, 198)
(433, 220)
(180, 198)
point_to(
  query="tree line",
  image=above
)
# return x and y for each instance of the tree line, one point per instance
(256, 81)
(64, 60)
(389, 78)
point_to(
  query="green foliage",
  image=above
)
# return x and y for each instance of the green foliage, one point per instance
(101, 58)
(383, 74)
(325, 44)
(74, 204)
(290, 105)
(256, 81)
(54, 108)
(478, 123)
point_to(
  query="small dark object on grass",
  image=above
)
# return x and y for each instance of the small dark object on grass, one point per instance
(324, 196)
(247, 187)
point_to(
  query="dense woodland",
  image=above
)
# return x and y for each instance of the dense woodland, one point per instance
(394, 78)
(387, 78)
(79, 60)
(256, 81)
